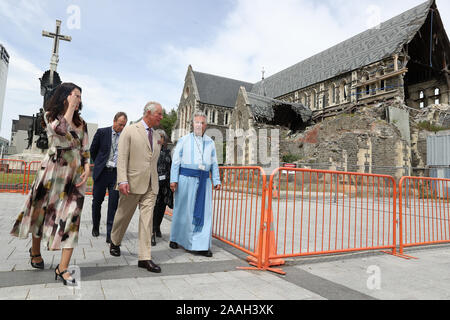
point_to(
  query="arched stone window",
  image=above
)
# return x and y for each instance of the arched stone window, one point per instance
(381, 83)
(314, 99)
(332, 94)
(303, 99)
(343, 93)
(437, 96)
(421, 99)
(207, 112)
(212, 118)
(238, 120)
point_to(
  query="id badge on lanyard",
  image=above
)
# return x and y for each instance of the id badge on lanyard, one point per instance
(111, 164)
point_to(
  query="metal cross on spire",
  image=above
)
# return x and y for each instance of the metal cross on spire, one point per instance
(56, 37)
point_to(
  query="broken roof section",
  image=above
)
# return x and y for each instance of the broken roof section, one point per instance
(361, 50)
(272, 111)
(217, 90)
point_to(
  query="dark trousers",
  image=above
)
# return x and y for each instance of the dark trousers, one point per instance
(106, 181)
(158, 212)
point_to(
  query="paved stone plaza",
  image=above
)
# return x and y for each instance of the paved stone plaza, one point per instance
(369, 275)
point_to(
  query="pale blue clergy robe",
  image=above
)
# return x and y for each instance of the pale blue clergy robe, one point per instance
(192, 152)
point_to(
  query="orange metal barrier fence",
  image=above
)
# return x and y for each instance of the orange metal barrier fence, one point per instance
(32, 169)
(238, 208)
(424, 211)
(303, 212)
(12, 175)
(315, 212)
(34, 166)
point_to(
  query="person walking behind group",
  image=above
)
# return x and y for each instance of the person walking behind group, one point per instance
(193, 159)
(137, 178)
(165, 195)
(104, 152)
(52, 210)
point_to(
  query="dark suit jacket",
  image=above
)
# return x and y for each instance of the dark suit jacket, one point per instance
(100, 150)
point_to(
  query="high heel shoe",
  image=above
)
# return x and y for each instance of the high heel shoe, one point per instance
(70, 281)
(37, 265)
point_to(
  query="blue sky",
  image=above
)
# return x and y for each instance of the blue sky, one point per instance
(126, 53)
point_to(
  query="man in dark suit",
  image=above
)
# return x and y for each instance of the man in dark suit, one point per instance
(104, 152)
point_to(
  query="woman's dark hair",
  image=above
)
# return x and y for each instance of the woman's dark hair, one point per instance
(57, 105)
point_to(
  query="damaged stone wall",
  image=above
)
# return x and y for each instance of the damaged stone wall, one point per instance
(424, 123)
(359, 142)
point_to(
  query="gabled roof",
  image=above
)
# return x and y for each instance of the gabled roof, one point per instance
(219, 90)
(361, 50)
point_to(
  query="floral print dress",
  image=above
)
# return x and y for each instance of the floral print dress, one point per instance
(53, 208)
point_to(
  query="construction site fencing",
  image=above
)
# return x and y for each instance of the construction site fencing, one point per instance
(424, 211)
(238, 209)
(12, 175)
(33, 168)
(315, 212)
(303, 212)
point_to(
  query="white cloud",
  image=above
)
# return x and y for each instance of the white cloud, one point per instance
(24, 13)
(269, 34)
(22, 90)
(278, 34)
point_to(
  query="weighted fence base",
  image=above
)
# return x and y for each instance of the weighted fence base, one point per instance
(275, 270)
(400, 255)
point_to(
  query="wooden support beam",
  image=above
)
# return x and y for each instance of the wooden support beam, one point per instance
(383, 77)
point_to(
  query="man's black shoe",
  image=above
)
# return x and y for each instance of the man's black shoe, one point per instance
(95, 232)
(149, 265)
(114, 250)
(108, 240)
(173, 245)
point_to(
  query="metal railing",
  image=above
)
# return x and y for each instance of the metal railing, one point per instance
(303, 212)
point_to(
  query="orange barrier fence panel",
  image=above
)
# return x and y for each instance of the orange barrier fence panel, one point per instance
(32, 169)
(322, 212)
(238, 209)
(12, 175)
(424, 210)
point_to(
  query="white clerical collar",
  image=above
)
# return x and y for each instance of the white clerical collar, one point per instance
(196, 136)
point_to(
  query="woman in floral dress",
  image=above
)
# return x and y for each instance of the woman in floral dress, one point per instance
(52, 211)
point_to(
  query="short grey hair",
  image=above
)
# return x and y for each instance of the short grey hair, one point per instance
(163, 134)
(151, 106)
(199, 113)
